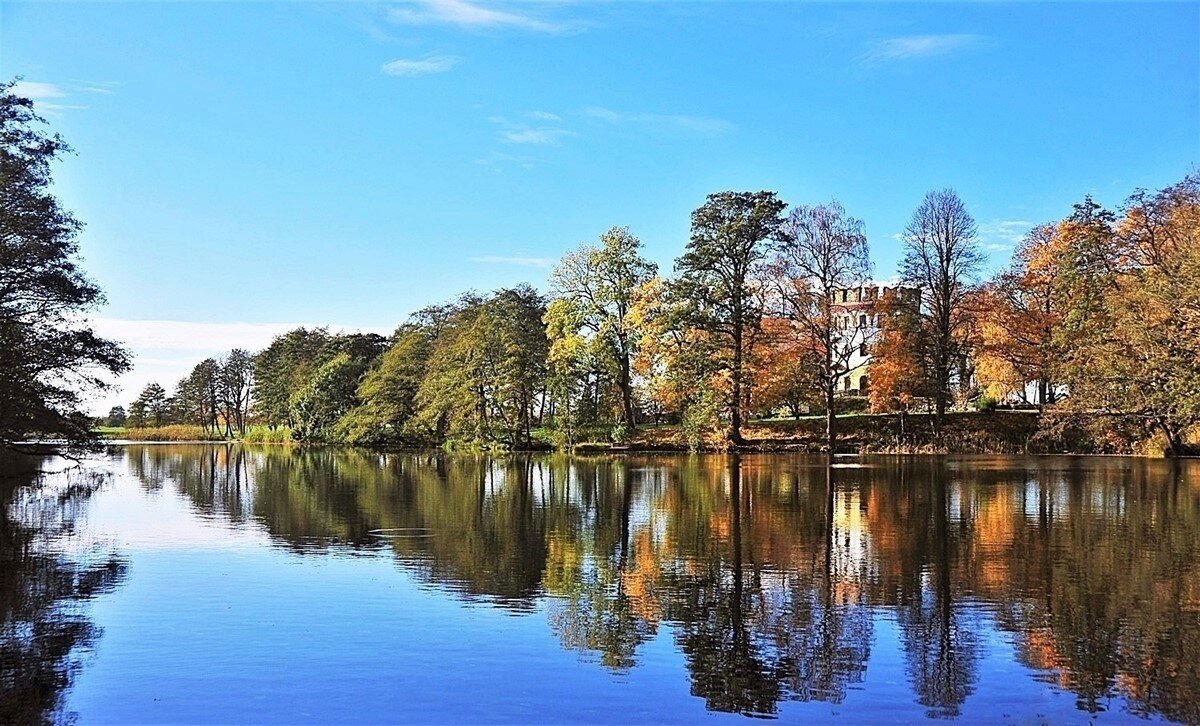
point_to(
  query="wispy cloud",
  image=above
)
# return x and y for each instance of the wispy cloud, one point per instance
(664, 122)
(544, 116)
(910, 47)
(475, 16)
(1002, 235)
(53, 97)
(497, 159)
(422, 66)
(510, 260)
(516, 132)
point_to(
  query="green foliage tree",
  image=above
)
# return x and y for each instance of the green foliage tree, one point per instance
(595, 288)
(116, 417)
(327, 396)
(486, 376)
(388, 392)
(153, 405)
(719, 275)
(48, 358)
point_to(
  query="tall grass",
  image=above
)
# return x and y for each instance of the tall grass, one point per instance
(267, 435)
(172, 432)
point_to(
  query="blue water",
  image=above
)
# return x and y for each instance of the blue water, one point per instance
(284, 586)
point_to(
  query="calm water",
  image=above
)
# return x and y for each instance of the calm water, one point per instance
(228, 584)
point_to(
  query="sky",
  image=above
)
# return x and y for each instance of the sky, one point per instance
(243, 168)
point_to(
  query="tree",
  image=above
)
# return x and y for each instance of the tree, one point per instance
(942, 257)
(236, 380)
(896, 377)
(49, 359)
(116, 417)
(596, 286)
(1016, 316)
(487, 370)
(388, 392)
(719, 274)
(821, 255)
(282, 368)
(325, 398)
(198, 396)
(153, 405)
(1130, 338)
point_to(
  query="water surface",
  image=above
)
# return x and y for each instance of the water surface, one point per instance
(232, 584)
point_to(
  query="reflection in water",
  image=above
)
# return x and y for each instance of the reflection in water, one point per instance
(772, 572)
(42, 627)
(774, 579)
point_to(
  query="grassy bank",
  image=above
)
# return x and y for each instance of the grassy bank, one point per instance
(187, 432)
(982, 432)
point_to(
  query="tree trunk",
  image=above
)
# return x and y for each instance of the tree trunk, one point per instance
(735, 434)
(830, 417)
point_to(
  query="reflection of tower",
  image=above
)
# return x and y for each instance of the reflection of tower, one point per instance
(848, 547)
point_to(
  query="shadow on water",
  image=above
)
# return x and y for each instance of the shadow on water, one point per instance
(44, 629)
(772, 574)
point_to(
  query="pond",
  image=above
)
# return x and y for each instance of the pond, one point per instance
(199, 583)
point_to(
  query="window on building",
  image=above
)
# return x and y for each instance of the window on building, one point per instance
(846, 384)
(862, 321)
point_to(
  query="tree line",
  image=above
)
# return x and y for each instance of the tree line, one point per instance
(769, 311)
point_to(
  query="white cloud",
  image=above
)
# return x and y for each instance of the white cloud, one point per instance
(422, 66)
(471, 15)
(666, 122)
(909, 47)
(540, 137)
(38, 91)
(521, 133)
(1002, 235)
(544, 116)
(519, 261)
(51, 97)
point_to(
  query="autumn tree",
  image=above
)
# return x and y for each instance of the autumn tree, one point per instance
(720, 275)
(942, 257)
(1016, 316)
(594, 287)
(897, 381)
(50, 358)
(821, 255)
(1131, 335)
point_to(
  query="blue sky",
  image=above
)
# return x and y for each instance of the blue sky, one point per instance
(245, 167)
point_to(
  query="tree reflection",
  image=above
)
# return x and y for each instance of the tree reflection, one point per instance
(42, 625)
(769, 572)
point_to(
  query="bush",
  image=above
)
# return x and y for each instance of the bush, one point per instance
(986, 403)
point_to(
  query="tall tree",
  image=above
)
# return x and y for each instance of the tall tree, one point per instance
(49, 359)
(896, 376)
(154, 403)
(597, 285)
(821, 267)
(1130, 338)
(720, 275)
(388, 392)
(1016, 316)
(942, 257)
(236, 381)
